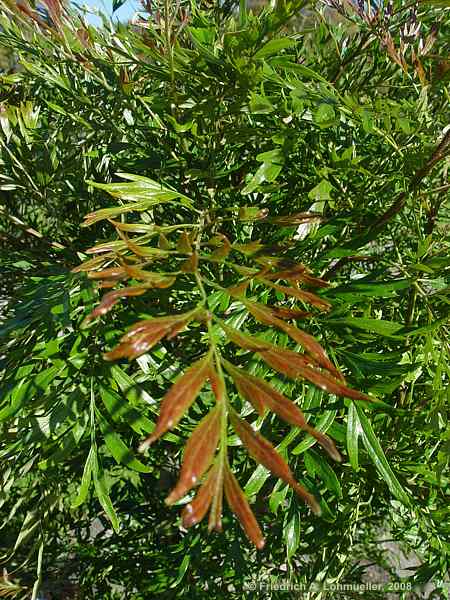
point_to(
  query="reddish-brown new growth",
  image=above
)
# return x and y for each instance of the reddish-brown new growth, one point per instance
(180, 397)
(198, 455)
(263, 452)
(239, 505)
(262, 395)
(205, 462)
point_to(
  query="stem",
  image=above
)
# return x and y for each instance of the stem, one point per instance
(168, 36)
(440, 152)
(217, 356)
(242, 12)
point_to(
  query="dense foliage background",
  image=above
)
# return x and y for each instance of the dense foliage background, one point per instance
(327, 108)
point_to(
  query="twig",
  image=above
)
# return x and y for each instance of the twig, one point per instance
(439, 154)
(441, 151)
(30, 230)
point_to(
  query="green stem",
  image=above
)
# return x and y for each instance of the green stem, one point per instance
(217, 357)
(168, 35)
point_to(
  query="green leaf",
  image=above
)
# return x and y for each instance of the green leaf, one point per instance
(292, 534)
(378, 457)
(102, 493)
(316, 464)
(267, 172)
(277, 496)
(321, 191)
(86, 478)
(325, 116)
(121, 453)
(297, 68)
(260, 105)
(355, 292)
(182, 570)
(353, 432)
(379, 326)
(274, 47)
(323, 424)
(18, 397)
(122, 411)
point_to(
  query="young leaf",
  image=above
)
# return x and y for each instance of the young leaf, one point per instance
(198, 455)
(140, 338)
(263, 452)
(179, 398)
(307, 297)
(111, 298)
(311, 346)
(195, 511)
(239, 505)
(296, 365)
(262, 395)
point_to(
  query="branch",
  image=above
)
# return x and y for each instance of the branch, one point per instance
(440, 152)
(30, 230)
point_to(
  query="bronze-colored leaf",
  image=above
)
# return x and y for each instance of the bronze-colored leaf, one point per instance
(140, 338)
(134, 227)
(215, 514)
(198, 455)
(138, 345)
(195, 511)
(296, 365)
(307, 297)
(180, 397)
(155, 280)
(249, 248)
(107, 283)
(238, 290)
(264, 453)
(239, 505)
(289, 313)
(220, 253)
(184, 245)
(262, 395)
(163, 242)
(244, 384)
(311, 345)
(148, 252)
(107, 247)
(298, 273)
(93, 263)
(243, 340)
(244, 271)
(297, 218)
(217, 384)
(190, 265)
(116, 273)
(111, 298)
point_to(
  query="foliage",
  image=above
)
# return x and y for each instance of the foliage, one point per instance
(272, 190)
